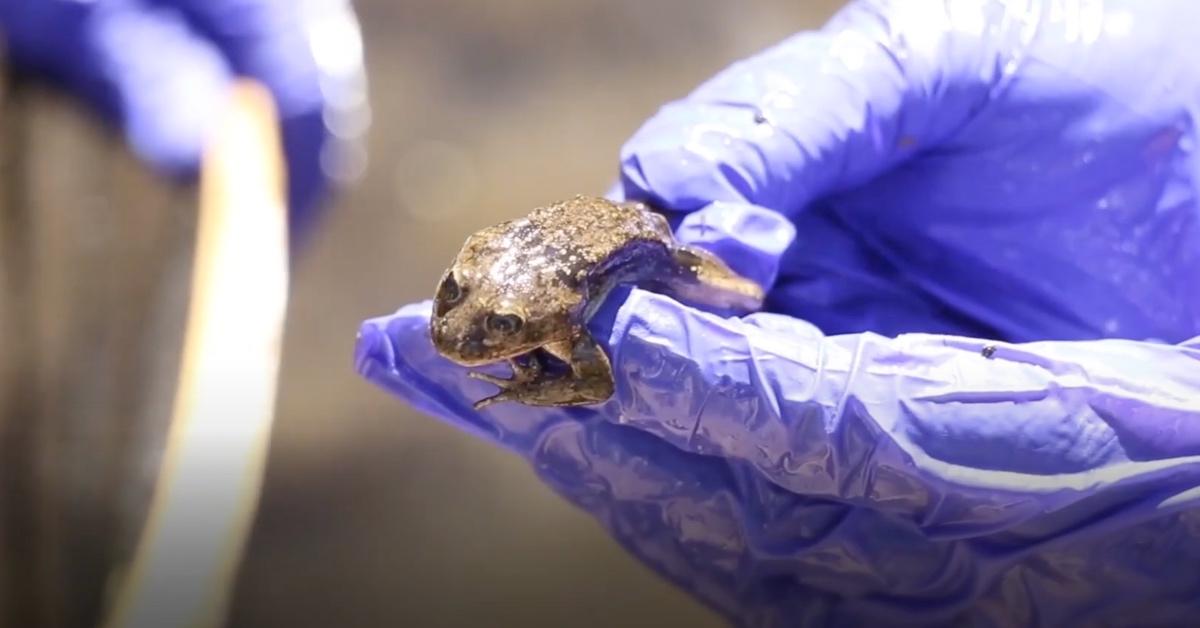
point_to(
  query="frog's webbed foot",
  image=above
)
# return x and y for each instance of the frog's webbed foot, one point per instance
(589, 380)
(504, 395)
(525, 368)
(491, 379)
(510, 389)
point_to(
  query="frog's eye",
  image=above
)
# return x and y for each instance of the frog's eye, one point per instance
(504, 323)
(450, 293)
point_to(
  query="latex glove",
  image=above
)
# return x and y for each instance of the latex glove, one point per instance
(160, 68)
(942, 170)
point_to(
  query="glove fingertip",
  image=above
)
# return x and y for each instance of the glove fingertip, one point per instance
(371, 348)
(751, 239)
(373, 344)
(165, 112)
(393, 352)
(616, 192)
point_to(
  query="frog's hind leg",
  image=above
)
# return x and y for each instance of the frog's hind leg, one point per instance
(708, 281)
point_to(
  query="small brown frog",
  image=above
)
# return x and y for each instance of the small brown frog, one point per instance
(524, 291)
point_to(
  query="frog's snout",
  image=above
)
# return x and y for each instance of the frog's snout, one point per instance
(471, 348)
(441, 338)
(469, 352)
(466, 349)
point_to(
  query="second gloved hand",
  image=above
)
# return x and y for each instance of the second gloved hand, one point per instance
(160, 68)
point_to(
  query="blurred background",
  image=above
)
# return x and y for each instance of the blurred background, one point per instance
(373, 515)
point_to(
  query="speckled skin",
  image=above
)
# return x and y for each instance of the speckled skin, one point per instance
(524, 290)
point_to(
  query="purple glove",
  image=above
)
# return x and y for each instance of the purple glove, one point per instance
(159, 68)
(916, 175)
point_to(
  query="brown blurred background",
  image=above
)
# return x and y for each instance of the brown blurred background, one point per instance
(372, 514)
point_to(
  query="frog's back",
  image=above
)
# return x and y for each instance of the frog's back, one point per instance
(592, 228)
(550, 252)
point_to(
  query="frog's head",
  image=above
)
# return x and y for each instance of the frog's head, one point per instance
(478, 320)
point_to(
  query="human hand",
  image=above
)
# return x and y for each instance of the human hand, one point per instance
(940, 188)
(158, 69)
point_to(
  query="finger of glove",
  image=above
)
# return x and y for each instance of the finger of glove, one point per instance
(144, 70)
(821, 112)
(750, 239)
(270, 41)
(930, 419)
(721, 386)
(264, 39)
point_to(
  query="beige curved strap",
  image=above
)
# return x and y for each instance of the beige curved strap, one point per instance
(209, 482)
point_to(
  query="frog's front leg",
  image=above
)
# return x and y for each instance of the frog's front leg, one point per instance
(526, 369)
(589, 380)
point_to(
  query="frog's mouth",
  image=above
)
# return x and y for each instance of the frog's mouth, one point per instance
(474, 349)
(537, 357)
(482, 355)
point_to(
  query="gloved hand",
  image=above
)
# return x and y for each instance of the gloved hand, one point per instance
(975, 397)
(160, 68)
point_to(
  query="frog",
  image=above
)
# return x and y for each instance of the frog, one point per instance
(523, 292)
